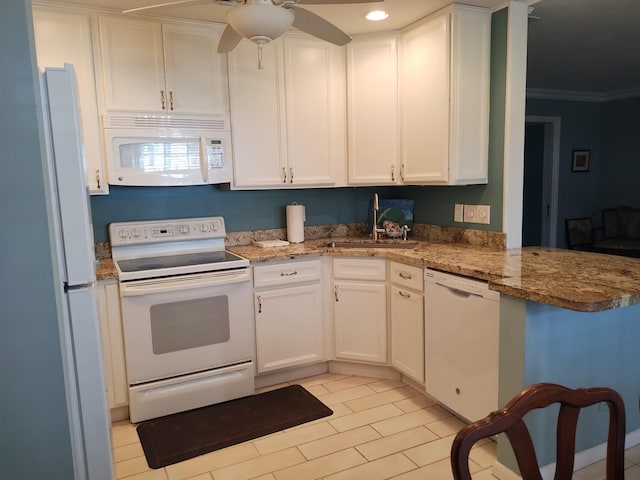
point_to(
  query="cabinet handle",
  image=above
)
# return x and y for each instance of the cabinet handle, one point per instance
(404, 294)
(284, 175)
(289, 274)
(290, 174)
(406, 276)
(162, 99)
(98, 179)
(259, 304)
(402, 172)
(393, 173)
(171, 99)
(335, 293)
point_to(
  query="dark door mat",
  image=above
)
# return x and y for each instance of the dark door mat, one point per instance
(178, 437)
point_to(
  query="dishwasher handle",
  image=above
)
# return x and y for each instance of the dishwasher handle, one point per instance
(459, 292)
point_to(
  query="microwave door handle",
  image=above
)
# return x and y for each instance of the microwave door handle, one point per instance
(204, 163)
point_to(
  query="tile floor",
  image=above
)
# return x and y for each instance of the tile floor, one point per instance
(380, 429)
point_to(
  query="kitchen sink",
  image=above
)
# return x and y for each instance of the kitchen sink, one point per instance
(373, 244)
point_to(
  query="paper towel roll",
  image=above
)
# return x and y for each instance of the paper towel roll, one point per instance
(295, 223)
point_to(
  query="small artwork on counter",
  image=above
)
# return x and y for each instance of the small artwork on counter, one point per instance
(580, 160)
(392, 216)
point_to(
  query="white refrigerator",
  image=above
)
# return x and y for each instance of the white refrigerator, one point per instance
(72, 239)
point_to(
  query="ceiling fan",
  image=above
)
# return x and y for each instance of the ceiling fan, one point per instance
(264, 20)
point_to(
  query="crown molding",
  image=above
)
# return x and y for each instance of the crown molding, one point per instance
(578, 96)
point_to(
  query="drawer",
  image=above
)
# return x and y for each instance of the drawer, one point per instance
(360, 268)
(406, 276)
(274, 275)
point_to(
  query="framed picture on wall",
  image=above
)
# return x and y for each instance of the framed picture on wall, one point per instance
(580, 160)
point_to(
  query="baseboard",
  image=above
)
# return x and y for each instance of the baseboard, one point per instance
(582, 459)
(296, 373)
(119, 413)
(364, 370)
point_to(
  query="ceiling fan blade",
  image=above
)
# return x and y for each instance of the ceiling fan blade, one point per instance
(318, 27)
(159, 5)
(228, 40)
(333, 2)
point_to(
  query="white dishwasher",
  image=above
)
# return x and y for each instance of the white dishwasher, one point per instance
(462, 323)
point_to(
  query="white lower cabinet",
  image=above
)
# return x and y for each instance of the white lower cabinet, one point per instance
(110, 319)
(360, 309)
(289, 314)
(407, 320)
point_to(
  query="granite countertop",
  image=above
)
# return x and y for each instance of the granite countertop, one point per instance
(581, 281)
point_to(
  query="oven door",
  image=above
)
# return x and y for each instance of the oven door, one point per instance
(180, 325)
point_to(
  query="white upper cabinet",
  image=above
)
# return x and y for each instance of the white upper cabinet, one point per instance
(168, 68)
(372, 110)
(288, 117)
(65, 37)
(444, 72)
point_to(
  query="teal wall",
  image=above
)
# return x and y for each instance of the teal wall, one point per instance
(577, 349)
(34, 432)
(610, 130)
(264, 209)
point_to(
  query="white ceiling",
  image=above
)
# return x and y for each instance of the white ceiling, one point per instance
(347, 17)
(590, 46)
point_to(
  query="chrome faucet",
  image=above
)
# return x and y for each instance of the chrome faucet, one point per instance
(375, 230)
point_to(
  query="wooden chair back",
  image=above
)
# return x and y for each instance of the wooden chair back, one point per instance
(509, 420)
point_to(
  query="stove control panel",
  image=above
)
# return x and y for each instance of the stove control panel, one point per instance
(153, 231)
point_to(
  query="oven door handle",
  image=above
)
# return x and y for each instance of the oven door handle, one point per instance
(174, 284)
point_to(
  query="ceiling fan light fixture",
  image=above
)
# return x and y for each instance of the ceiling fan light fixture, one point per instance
(260, 22)
(377, 15)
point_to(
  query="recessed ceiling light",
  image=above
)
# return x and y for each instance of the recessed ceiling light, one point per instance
(377, 15)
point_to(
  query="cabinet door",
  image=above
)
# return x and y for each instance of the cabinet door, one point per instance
(108, 298)
(314, 99)
(256, 97)
(195, 73)
(407, 332)
(133, 65)
(360, 320)
(372, 110)
(425, 102)
(289, 327)
(66, 38)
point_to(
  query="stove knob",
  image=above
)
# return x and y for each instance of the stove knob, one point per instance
(184, 229)
(123, 233)
(204, 228)
(215, 227)
(135, 233)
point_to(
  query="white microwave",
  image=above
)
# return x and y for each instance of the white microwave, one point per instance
(165, 151)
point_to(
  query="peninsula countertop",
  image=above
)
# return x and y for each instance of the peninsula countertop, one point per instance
(581, 281)
(576, 280)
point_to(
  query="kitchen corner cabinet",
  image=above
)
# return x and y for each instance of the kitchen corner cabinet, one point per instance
(288, 117)
(110, 319)
(372, 110)
(407, 320)
(289, 314)
(444, 71)
(170, 68)
(360, 309)
(62, 36)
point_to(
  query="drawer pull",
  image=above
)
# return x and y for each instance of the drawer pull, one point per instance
(335, 293)
(404, 294)
(289, 274)
(406, 276)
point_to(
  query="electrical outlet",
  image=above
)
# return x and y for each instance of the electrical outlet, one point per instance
(470, 214)
(458, 215)
(483, 214)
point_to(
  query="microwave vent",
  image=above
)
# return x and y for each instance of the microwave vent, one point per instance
(164, 121)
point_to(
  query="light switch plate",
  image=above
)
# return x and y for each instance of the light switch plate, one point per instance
(458, 210)
(483, 214)
(470, 214)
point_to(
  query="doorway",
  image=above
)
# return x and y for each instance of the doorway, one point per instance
(540, 193)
